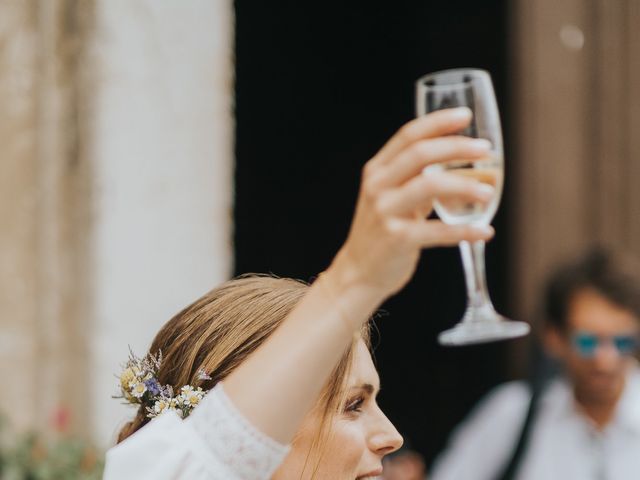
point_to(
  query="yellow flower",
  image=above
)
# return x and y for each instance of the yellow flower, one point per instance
(128, 376)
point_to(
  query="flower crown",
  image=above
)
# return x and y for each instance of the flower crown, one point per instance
(139, 386)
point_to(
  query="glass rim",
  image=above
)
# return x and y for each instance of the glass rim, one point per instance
(479, 73)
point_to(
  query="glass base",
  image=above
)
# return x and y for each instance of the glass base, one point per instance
(482, 327)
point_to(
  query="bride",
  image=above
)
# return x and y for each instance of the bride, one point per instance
(268, 378)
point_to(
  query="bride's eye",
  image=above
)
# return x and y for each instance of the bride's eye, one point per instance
(355, 405)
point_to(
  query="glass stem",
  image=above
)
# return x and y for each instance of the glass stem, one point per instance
(474, 274)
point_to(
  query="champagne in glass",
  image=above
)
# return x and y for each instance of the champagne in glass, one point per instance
(471, 88)
(486, 170)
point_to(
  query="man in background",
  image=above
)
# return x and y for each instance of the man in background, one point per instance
(584, 424)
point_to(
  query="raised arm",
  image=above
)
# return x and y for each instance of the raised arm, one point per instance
(276, 386)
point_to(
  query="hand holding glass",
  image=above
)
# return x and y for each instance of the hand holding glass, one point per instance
(471, 88)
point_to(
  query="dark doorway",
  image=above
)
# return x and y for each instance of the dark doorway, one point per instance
(320, 86)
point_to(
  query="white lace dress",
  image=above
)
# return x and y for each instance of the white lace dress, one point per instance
(214, 442)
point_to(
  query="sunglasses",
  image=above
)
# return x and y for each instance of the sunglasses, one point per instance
(586, 344)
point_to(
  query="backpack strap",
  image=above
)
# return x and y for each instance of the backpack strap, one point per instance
(511, 468)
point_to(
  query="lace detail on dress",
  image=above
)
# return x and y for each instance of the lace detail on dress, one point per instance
(230, 437)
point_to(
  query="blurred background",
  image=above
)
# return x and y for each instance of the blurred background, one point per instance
(153, 148)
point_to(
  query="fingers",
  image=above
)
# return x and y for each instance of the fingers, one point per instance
(412, 160)
(436, 124)
(419, 193)
(434, 233)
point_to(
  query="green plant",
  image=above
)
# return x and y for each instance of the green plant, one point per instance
(30, 457)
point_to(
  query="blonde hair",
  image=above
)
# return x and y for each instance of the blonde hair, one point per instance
(222, 328)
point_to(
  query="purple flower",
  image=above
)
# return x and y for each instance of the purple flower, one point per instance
(167, 391)
(153, 386)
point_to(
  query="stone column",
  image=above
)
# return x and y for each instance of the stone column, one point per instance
(161, 156)
(19, 207)
(115, 190)
(43, 274)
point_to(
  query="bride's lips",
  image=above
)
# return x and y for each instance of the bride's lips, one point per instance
(371, 475)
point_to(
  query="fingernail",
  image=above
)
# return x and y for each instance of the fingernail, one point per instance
(485, 191)
(461, 113)
(486, 230)
(481, 144)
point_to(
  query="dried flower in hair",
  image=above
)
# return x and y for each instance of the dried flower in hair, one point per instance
(139, 386)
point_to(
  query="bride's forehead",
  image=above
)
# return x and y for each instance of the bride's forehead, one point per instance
(363, 371)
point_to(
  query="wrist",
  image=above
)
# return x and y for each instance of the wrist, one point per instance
(350, 286)
(349, 275)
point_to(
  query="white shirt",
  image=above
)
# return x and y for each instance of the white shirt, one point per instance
(563, 443)
(214, 442)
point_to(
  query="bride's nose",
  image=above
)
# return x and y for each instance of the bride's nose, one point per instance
(385, 438)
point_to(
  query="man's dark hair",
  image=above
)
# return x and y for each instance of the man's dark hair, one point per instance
(614, 277)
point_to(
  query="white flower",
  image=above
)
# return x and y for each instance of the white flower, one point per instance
(137, 389)
(162, 405)
(190, 397)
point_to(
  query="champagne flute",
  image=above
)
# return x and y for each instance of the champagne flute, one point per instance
(471, 88)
